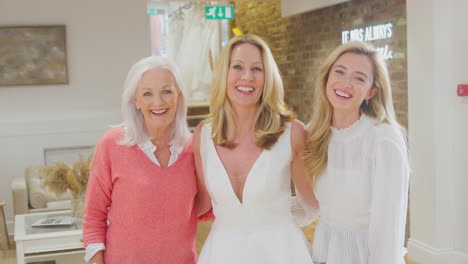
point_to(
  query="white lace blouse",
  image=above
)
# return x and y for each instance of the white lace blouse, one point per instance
(363, 196)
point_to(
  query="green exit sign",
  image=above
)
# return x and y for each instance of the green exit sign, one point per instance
(219, 12)
(154, 11)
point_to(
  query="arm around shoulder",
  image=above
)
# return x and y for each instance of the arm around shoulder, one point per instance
(299, 173)
(203, 199)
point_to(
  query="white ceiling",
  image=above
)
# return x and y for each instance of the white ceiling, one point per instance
(293, 7)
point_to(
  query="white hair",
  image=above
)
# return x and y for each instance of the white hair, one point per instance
(133, 120)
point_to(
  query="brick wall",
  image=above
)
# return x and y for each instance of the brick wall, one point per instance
(301, 42)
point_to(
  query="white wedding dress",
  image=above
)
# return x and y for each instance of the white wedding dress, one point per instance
(261, 229)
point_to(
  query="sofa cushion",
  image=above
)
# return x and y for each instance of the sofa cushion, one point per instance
(39, 195)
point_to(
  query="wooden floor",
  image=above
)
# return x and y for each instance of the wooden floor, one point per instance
(8, 256)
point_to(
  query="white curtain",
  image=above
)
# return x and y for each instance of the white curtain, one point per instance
(192, 41)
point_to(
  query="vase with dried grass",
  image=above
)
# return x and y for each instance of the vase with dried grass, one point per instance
(60, 177)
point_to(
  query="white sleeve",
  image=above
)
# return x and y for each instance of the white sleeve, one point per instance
(303, 213)
(92, 249)
(389, 202)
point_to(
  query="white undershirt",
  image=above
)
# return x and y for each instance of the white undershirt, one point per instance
(148, 148)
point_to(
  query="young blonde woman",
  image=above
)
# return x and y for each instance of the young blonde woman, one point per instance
(357, 157)
(246, 154)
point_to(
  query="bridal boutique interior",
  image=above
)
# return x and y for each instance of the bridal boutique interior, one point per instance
(181, 31)
(424, 43)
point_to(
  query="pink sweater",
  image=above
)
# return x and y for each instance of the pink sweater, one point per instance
(151, 211)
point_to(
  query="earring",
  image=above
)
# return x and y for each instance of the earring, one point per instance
(367, 101)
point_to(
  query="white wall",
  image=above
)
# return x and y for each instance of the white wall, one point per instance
(104, 39)
(438, 129)
(294, 7)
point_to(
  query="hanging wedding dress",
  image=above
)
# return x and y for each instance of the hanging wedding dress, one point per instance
(193, 40)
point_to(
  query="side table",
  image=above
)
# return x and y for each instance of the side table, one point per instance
(62, 245)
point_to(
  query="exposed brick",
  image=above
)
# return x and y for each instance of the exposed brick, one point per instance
(300, 43)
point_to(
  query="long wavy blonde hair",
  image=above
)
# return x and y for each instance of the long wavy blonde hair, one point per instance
(271, 114)
(379, 107)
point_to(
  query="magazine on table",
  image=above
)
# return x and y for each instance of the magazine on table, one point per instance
(59, 221)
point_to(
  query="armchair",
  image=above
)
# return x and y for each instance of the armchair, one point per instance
(29, 196)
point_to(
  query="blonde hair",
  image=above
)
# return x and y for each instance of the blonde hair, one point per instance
(133, 120)
(271, 112)
(379, 107)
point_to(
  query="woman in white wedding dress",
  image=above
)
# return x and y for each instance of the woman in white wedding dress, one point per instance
(246, 154)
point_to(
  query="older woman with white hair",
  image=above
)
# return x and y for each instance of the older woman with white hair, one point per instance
(140, 199)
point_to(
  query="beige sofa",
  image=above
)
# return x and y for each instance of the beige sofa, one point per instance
(29, 196)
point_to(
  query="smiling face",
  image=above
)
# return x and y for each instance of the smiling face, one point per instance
(245, 77)
(156, 97)
(350, 83)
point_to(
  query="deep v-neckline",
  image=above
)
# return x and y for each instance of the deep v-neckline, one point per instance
(228, 179)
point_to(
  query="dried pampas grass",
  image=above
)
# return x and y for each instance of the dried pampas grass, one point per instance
(60, 177)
